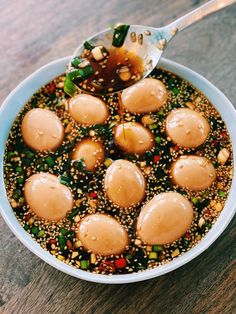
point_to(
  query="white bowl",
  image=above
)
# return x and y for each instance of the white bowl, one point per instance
(17, 99)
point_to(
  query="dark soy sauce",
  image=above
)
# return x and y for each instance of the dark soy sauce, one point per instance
(119, 70)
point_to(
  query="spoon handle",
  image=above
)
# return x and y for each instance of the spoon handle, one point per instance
(199, 13)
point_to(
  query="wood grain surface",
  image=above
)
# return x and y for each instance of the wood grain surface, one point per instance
(34, 32)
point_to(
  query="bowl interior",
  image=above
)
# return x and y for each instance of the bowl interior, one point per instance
(14, 103)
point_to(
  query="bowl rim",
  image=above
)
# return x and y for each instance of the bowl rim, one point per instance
(45, 74)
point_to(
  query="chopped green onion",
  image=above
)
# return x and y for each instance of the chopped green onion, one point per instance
(73, 213)
(41, 168)
(221, 193)
(175, 90)
(29, 154)
(86, 72)
(40, 234)
(70, 234)
(81, 73)
(69, 87)
(194, 200)
(21, 200)
(35, 230)
(119, 35)
(10, 155)
(84, 264)
(157, 248)
(207, 225)
(49, 161)
(88, 46)
(26, 227)
(63, 231)
(17, 194)
(64, 180)
(20, 180)
(75, 62)
(161, 113)
(62, 242)
(73, 74)
(152, 255)
(152, 126)
(158, 139)
(139, 267)
(19, 169)
(79, 164)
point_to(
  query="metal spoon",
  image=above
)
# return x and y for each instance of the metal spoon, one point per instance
(150, 42)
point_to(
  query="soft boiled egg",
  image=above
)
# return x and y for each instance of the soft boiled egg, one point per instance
(187, 128)
(193, 172)
(133, 138)
(102, 234)
(146, 96)
(88, 110)
(90, 152)
(124, 183)
(42, 130)
(47, 197)
(164, 219)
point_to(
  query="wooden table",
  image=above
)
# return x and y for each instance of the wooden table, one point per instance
(36, 32)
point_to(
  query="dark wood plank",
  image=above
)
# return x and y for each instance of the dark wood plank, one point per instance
(36, 32)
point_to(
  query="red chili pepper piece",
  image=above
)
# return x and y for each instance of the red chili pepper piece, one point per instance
(188, 235)
(27, 217)
(120, 263)
(214, 142)
(223, 134)
(69, 244)
(52, 87)
(93, 194)
(53, 241)
(107, 266)
(176, 148)
(156, 159)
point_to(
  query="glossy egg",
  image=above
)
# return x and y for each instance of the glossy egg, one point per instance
(124, 183)
(47, 197)
(164, 219)
(102, 234)
(42, 130)
(133, 138)
(148, 95)
(187, 128)
(193, 172)
(91, 152)
(88, 110)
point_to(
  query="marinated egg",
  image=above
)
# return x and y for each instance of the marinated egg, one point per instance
(187, 128)
(88, 110)
(42, 130)
(133, 138)
(164, 219)
(146, 96)
(91, 152)
(102, 234)
(193, 172)
(124, 183)
(47, 197)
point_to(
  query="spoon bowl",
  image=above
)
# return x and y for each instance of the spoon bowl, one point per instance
(148, 43)
(145, 42)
